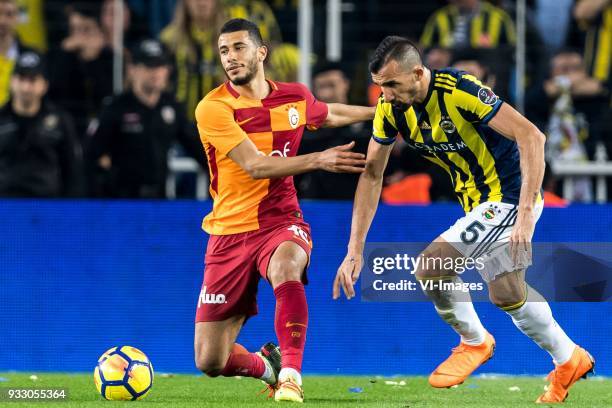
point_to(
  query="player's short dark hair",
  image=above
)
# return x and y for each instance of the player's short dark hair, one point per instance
(86, 9)
(395, 48)
(566, 50)
(326, 66)
(240, 24)
(469, 54)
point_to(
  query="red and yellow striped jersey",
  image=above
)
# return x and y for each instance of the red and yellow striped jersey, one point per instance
(275, 124)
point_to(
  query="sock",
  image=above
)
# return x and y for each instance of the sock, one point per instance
(291, 322)
(536, 321)
(243, 363)
(457, 310)
(290, 372)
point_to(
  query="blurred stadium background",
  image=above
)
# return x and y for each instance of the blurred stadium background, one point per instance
(96, 250)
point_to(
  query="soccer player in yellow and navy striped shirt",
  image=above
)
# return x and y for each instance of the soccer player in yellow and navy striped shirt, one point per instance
(475, 24)
(495, 159)
(449, 128)
(595, 18)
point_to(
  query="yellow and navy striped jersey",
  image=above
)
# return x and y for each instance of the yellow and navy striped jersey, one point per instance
(489, 27)
(450, 129)
(598, 45)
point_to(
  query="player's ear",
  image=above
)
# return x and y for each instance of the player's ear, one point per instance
(418, 72)
(262, 53)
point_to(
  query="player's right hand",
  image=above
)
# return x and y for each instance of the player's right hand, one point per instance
(341, 159)
(347, 275)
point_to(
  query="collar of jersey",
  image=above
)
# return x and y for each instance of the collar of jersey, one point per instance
(236, 95)
(429, 89)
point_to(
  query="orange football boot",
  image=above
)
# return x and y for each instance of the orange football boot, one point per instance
(580, 364)
(461, 363)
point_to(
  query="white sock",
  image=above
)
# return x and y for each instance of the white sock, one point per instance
(458, 311)
(290, 372)
(268, 374)
(536, 321)
(463, 319)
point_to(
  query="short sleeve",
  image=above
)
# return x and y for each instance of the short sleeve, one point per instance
(477, 100)
(384, 129)
(217, 126)
(316, 111)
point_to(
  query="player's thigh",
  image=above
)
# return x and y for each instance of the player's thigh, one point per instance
(284, 253)
(213, 342)
(434, 260)
(229, 287)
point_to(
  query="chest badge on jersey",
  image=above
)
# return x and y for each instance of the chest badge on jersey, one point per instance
(447, 125)
(168, 114)
(294, 116)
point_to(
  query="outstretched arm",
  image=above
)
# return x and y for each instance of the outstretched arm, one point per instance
(338, 159)
(219, 129)
(367, 196)
(342, 115)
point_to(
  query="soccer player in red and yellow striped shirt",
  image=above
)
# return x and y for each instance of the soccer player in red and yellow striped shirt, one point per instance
(251, 129)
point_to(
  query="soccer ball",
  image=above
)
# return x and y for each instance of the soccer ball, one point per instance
(123, 373)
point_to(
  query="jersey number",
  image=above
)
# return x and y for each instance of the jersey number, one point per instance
(300, 233)
(472, 229)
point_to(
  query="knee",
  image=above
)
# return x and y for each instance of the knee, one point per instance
(288, 270)
(210, 365)
(513, 298)
(428, 268)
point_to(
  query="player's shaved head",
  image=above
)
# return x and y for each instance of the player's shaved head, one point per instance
(395, 48)
(397, 67)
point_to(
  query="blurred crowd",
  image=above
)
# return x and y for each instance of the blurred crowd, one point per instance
(92, 109)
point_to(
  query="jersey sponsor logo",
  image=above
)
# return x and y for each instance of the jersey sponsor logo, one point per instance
(487, 96)
(210, 298)
(440, 147)
(290, 324)
(281, 153)
(168, 114)
(425, 126)
(447, 125)
(294, 117)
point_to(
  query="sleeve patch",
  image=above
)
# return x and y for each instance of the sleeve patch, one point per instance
(487, 96)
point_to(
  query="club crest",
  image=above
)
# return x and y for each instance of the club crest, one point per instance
(447, 125)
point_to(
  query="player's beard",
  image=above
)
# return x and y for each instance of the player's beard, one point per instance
(246, 78)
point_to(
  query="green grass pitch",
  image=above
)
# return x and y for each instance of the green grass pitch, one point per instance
(321, 391)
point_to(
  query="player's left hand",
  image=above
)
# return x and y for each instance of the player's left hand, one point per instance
(520, 239)
(347, 275)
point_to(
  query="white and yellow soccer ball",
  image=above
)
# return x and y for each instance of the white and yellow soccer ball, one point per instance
(123, 373)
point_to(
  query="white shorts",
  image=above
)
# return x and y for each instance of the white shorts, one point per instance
(484, 233)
